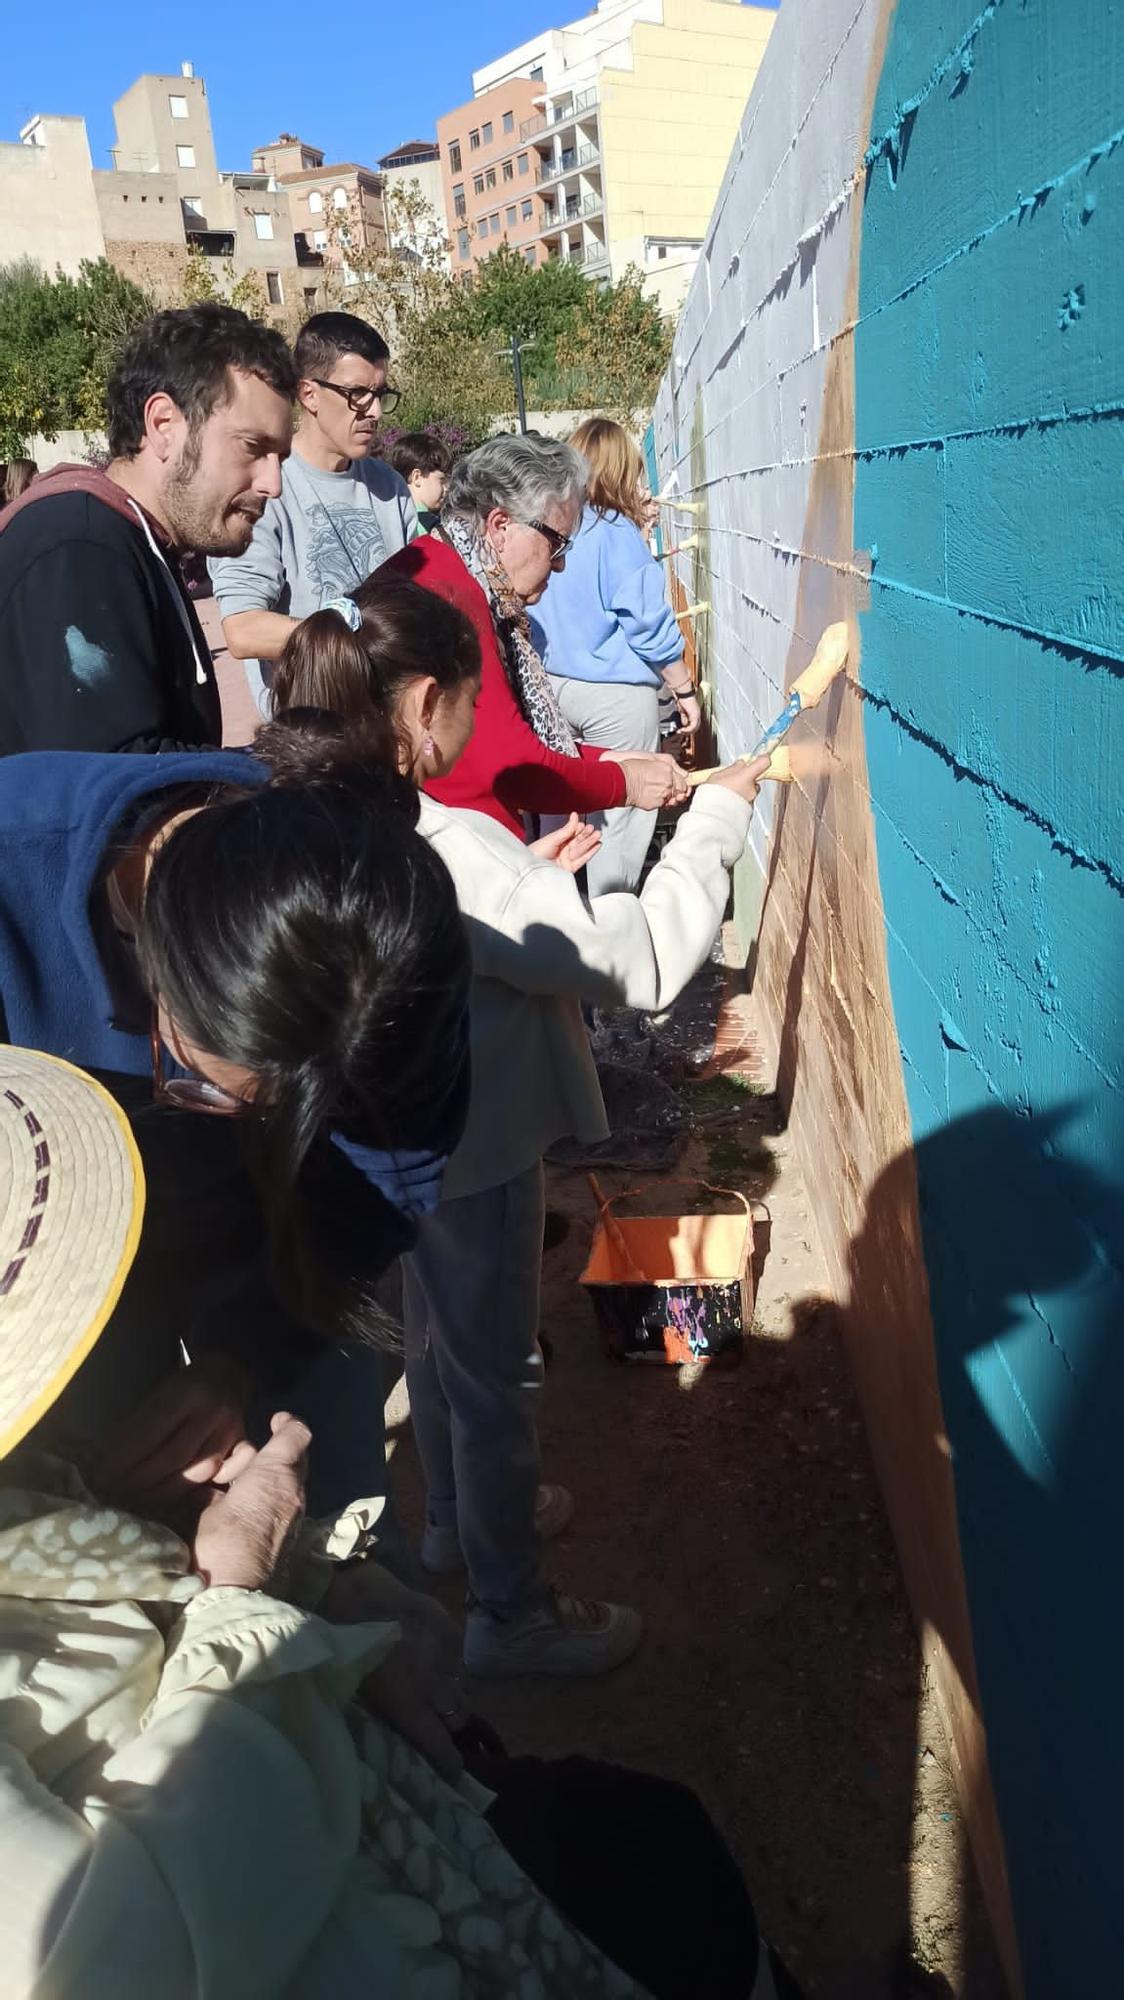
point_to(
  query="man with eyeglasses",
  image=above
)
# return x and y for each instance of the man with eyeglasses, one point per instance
(341, 512)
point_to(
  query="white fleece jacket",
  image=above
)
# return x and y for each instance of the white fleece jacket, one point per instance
(539, 948)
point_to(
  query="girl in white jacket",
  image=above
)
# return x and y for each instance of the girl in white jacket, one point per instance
(401, 669)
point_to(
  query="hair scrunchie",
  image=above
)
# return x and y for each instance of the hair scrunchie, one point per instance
(347, 609)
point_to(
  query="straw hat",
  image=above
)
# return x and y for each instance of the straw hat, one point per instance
(71, 1201)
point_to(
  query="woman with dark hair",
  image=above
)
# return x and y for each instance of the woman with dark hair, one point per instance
(267, 940)
(402, 671)
(506, 526)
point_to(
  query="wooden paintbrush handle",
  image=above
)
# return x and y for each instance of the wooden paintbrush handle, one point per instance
(779, 768)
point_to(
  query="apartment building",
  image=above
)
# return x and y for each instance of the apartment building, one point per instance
(632, 112)
(489, 174)
(166, 190)
(334, 209)
(415, 168)
(163, 197)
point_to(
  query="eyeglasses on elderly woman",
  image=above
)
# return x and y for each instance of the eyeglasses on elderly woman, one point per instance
(560, 544)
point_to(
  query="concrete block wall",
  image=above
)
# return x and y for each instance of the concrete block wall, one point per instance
(898, 391)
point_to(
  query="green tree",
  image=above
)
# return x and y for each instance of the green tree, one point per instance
(616, 348)
(201, 285)
(444, 360)
(506, 295)
(58, 338)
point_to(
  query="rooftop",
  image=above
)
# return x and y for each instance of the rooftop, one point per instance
(411, 149)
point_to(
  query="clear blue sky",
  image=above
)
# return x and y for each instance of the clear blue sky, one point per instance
(353, 80)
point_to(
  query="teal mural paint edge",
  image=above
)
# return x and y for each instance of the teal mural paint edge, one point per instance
(1020, 1205)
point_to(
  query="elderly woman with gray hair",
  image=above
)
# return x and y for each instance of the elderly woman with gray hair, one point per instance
(509, 516)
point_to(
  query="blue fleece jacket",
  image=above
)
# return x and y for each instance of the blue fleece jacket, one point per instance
(68, 985)
(606, 616)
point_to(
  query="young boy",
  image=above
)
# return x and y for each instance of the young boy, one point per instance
(423, 462)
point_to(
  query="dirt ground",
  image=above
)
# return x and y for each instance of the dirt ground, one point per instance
(780, 1674)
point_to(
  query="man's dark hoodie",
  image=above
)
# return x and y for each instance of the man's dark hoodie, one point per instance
(100, 646)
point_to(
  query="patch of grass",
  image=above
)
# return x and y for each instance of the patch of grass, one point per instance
(723, 1093)
(740, 1166)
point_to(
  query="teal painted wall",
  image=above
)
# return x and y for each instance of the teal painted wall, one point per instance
(989, 359)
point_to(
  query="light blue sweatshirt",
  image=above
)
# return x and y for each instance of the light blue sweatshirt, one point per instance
(606, 617)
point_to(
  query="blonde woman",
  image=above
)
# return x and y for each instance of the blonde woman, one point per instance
(609, 641)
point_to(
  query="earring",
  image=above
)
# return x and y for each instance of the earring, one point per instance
(429, 747)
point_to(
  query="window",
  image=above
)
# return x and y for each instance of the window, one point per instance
(508, 170)
(490, 178)
(477, 183)
(310, 295)
(315, 202)
(320, 239)
(185, 156)
(462, 244)
(178, 107)
(529, 253)
(263, 227)
(339, 197)
(536, 73)
(191, 202)
(454, 156)
(509, 121)
(459, 202)
(524, 164)
(273, 288)
(527, 211)
(474, 142)
(487, 133)
(509, 217)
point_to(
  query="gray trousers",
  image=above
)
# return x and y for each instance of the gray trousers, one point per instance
(618, 717)
(470, 1307)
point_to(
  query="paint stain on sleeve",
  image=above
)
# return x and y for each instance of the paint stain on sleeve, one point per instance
(89, 663)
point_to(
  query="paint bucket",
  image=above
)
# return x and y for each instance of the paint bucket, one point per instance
(673, 1288)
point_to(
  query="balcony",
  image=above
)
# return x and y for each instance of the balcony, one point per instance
(306, 254)
(211, 242)
(571, 162)
(575, 209)
(559, 114)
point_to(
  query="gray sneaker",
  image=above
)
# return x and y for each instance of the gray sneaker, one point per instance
(441, 1552)
(563, 1635)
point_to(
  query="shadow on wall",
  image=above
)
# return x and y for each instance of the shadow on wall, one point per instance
(983, 1174)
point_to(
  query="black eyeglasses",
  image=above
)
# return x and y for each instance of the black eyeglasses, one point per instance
(361, 400)
(560, 545)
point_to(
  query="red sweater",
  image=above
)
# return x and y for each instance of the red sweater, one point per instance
(506, 769)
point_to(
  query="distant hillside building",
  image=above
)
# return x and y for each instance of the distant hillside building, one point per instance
(416, 164)
(163, 196)
(335, 208)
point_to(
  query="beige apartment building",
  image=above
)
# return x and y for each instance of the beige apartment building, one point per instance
(630, 114)
(163, 196)
(333, 209)
(414, 168)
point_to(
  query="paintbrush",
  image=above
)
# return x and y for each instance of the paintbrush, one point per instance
(808, 689)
